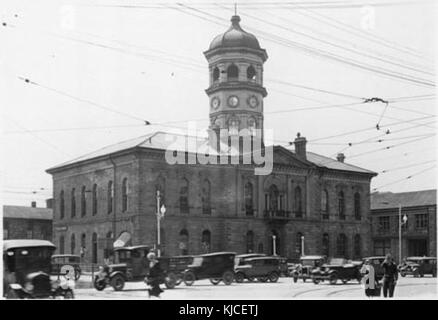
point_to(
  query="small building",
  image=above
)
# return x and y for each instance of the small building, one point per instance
(20, 222)
(418, 233)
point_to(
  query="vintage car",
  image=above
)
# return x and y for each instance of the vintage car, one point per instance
(60, 260)
(337, 269)
(217, 267)
(260, 268)
(418, 266)
(376, 262)
(26, 271)
(307, 264)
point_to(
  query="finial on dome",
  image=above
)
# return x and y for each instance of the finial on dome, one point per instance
(235, 20)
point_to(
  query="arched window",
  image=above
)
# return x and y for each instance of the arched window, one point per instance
(342, 246)
(341, 205)
(252, 126)
(357, 246)
(357, 213)
(72, 243)
(251, 73)
(94, 248)
(324, 205)
(184, 242)
(125, 194)
(73, 203)
(299, 244)
(108, 246)
(110, 196)
(206, 197)
(216, 74)
(61, 205)
(61, 244)
(83, 202)
(273, 198)
(298, 202)
(233, 126)
(249, 199)
(184, 196)
(94, 199)
(206, 241)
(232, 72)
(250, 242)
(325, 245)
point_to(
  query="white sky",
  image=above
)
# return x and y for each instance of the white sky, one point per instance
(148, 62)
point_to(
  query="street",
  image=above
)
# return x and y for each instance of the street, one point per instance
(284, 289)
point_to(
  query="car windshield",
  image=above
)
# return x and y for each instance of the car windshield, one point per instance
(123, 255)
(337, 261)
(197, 261)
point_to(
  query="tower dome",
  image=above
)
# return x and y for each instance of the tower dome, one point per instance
(235, 36)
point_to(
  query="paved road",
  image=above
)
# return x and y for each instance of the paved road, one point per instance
(284, 289)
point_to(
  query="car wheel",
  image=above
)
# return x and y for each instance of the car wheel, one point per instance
(251, 279)
(240, 277)
(333, 279)
(315, 281)
(118, 282)
(295, 279)
(170, 281)
(273, 277)
(77, 275)
(215, 281)
(403, 274)
(189, 278)
(99, 285)
(344, 281)
(69, 294)
(228, 277)
(262, 279)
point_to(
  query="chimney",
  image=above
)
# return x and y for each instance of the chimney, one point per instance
(340, 157)
(33, 204)
(300, 146)
(49, 203)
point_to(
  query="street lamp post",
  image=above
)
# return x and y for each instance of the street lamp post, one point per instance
(400, 223)
(302, 245)
(274, 251)
(161, 210)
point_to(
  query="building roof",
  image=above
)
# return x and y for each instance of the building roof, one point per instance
(22, 212)
(388, 200)
(170, 141)
(235, 36)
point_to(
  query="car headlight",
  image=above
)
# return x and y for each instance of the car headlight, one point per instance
(28, 286)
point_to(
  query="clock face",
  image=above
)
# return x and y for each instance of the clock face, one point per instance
(233, 101)
(215, 102)
(253, 101)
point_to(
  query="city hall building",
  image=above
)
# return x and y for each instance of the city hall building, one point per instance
(308, 204)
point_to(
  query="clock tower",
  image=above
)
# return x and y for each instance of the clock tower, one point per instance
(236, 92)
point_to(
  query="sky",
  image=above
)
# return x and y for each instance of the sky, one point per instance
(98, 69)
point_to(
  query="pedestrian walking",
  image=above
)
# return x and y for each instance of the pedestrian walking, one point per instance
(369, 280)
(155, 275)
(390, 276)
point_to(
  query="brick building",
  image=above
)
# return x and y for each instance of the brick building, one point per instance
(308, 201)
(419, 233)
(20, 222)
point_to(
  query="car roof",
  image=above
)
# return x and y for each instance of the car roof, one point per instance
(217, 254)
(26, 243)
(65, 255)
(248, 255)
(312, 257)
(420, 258)
(133, 247)
(264, 258)
(374, 257)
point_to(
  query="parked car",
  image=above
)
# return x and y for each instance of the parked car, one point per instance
(419, 266)
(60, 260)
(307, 264)
(376, 262)
(26, 271)
(260, 268)
(337, 269)
(217, 267)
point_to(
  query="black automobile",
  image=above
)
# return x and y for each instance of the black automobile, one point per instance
(337, 269)
(61, 260)
(307, 264)
(217, 267)
(27, 268)
(418, 266)
(260, 268)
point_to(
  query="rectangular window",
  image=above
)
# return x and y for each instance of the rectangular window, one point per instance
(384, 224)
(382, 247)
(421, 221)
